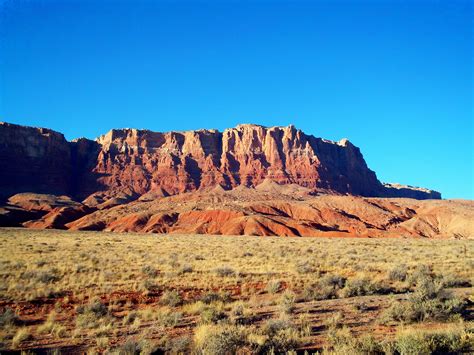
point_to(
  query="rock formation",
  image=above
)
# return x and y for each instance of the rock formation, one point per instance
(247, 180)
(131, 163)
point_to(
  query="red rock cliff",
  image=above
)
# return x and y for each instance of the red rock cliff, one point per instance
(140, 161)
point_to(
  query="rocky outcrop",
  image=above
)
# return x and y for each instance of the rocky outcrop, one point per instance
(125, 164)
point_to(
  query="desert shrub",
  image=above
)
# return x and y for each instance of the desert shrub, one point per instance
(219, 339)
(88, 316)
(22, 334)
(133, 347)
(168, 318)
(240, 314)
(46, 276)
(96, 307)
(318, 293)
(361, 306)
(149, 270)
(420, 272)
(361, 287)
(273, 326)
(453, 340)
(341, 341)
(277, 336)
(212, 296)
(170, 298)
(180, 345)
(452, 280)
(129, 318)
(185, 269)
(52, 327)
(101, 342)
(8, 318)
(398, 273)
(212, 314)
(304, 267)
(335, 321)
(225, 271)
(287, 302)
(273, 286)
(334, 280)
(367, 344)
(325, 288)
(429, 301)
(150, 285)
(41, 263)
(413, 343)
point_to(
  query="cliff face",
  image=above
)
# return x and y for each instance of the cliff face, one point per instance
(245, 155)
(33, 160)
(136, 162)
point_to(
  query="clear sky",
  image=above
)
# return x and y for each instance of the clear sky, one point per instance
(395, 77)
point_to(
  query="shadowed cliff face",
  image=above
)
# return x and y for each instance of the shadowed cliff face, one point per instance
(33, 159)
(133, 162)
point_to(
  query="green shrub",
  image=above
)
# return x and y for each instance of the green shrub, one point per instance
(398, 273)
(239, 314)
(421, 272)
(180, 345)
(8, 318)
(287, 302)
(453, 340)
(325, 288)
(361, 287)
(219, 339)
(130, 318)
(273, 286)
(149, 270)
(150, 285)
(88, 315)
(278, 336)
(23, 334)
(334, 322)
(212, 296)
(429, 301)
(225, 271)
(170, 298)
(304, 267)
(185, 269)
(211, 314)
(133, 347)
(168, 318)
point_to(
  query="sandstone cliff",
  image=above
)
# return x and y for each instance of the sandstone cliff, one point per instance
(124, 164)
(33, 160)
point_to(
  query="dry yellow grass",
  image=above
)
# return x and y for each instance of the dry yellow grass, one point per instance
(100, 290)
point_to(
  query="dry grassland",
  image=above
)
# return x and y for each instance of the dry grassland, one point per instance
(136, 293)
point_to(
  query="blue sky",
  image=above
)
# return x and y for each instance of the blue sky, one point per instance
(395, 77)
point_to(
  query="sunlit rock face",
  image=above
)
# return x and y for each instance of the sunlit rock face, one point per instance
(127, 163)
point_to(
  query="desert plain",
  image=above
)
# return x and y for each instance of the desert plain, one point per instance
(124, 293)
